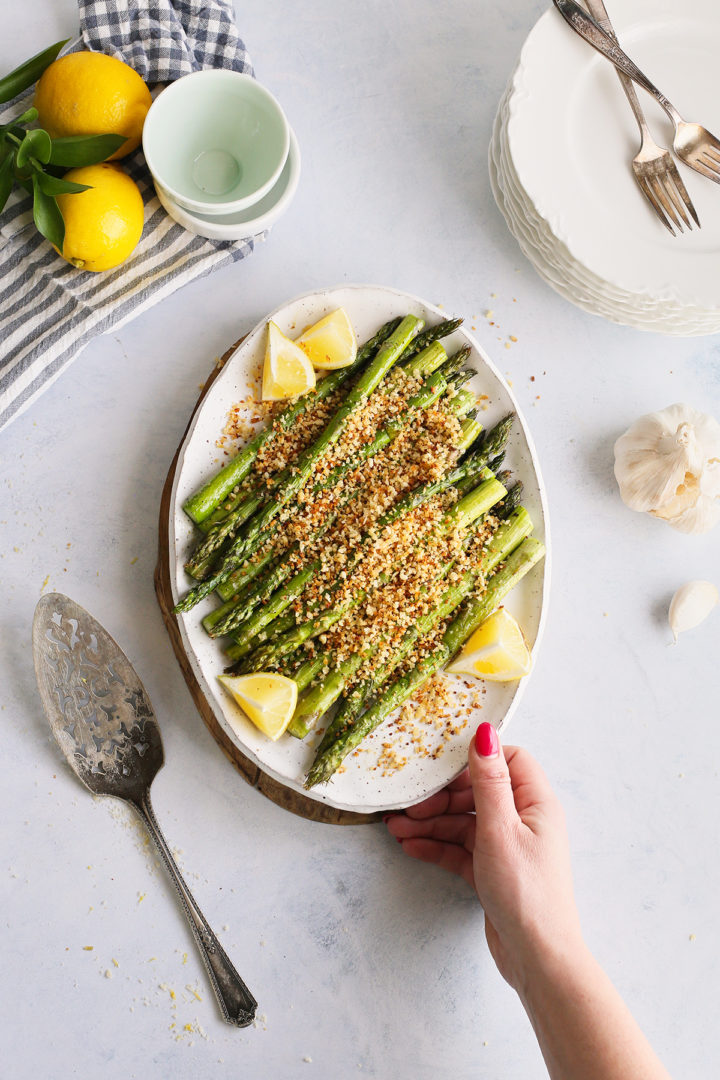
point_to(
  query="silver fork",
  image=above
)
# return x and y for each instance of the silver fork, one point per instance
(693, 143)
(654, 168)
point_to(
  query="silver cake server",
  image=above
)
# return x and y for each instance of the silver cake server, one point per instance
(104, 724)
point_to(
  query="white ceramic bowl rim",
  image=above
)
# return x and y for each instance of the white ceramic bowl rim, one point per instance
(226, 227)
(180, 86)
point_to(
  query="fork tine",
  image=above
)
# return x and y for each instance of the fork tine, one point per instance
(682, 190)
(667, 206)
(711, 164)
(713, 153)
(649, 195)
(667, 182)
(667, 220)
(699, 166)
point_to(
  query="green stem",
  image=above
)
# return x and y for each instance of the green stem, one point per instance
(200, 562)
(461, 516)
(517, 565)
(463, 474)
(320, 697)
(462, 402)
(433, 333)
(434, 363)
(241, 582)
(506, 538)
(234, 612)
(426, 361)
(277, 604)
(308, 671)
(241, 578)
(200, 505)
(387, 355)
(274, 629)
(431, 391)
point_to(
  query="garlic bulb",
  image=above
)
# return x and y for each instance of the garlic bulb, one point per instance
(691, 605)
(668, 465)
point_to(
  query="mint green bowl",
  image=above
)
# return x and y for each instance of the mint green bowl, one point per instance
(215, 141)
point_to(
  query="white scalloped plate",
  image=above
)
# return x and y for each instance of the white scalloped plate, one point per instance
(555, 265)
(571, 137)
(560, 168)
(361, 786)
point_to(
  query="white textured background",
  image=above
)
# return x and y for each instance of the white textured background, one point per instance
(362, 961)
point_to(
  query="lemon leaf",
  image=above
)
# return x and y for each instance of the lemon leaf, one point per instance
(73, 151)
(24, 76)
(55, 185)
(6, 179)
(47, 217)
(36, 144)
(27, 118)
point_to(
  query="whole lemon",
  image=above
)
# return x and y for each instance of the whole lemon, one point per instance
(103, 224)
(89, 93)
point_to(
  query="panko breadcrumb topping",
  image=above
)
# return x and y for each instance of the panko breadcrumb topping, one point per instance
(439, 711)
(377, 579)
(243, 419)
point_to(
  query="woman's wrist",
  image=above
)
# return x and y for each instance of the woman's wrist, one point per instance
(538, 960)
(583, 1027)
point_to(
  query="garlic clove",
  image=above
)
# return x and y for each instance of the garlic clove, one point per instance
(699, 518)
(710, 478)
(691, 605)
(684, 498)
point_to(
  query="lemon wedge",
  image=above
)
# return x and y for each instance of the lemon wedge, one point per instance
(287, 371)
(330, 343)
(267, 699)
(496, 651)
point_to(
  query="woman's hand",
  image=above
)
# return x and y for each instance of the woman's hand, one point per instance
(500, 826)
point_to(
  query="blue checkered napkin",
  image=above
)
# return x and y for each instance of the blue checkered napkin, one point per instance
(164, 39)
(48, 310)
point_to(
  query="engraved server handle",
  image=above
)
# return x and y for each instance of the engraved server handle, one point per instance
(237, 1003)
(584, 25)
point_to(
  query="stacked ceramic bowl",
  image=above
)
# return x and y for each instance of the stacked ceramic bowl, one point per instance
(560, 167)
(224, 160)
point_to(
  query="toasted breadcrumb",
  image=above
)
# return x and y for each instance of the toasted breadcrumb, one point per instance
(376, 581)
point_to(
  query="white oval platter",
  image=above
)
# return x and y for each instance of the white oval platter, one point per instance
(364, 785)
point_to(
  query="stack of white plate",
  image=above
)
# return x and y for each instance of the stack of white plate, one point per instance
(560, 167)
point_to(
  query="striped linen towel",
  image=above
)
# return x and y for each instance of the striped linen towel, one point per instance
(49, 310)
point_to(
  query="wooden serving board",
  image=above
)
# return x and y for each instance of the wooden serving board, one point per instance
(273, 789)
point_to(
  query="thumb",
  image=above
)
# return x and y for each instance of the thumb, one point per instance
(490, 779)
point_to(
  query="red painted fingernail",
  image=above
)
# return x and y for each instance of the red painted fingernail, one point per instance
(486, 740)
